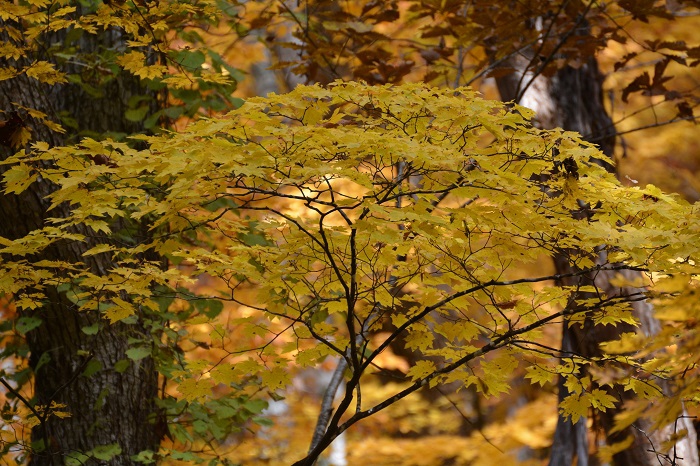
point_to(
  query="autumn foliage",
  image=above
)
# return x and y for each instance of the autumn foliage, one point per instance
(395, 233)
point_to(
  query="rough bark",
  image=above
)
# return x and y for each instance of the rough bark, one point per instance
(573, 99)
(108, 407)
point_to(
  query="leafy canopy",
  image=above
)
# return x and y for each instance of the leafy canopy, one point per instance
(329, 214)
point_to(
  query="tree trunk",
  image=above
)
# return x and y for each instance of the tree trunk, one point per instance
(573, 99)
(109, 407)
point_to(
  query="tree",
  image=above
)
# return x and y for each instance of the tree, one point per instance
(94, 395)
(547, 62)
(65, 344)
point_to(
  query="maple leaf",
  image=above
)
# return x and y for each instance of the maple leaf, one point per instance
(575, 407)
(119, 310)
(45, 72)
(275, 378)
(539, 374)
(421, 369)
(194, 390)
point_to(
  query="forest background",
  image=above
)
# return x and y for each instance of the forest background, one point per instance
(147, 311)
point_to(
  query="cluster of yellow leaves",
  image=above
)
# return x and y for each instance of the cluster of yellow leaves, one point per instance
(135, 62)
(352, 209)
(55, 409)
(42, 71)
(32, 30)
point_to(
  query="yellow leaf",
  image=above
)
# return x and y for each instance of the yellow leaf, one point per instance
(11, 11)
(151, 72)
(620, 280)
(53, 126)
(120, 310)
(275, 378)
(600, 399)
(7, 72)
(421, 369)
(194, 390)
(647, 388)
(337, 306)
(98, 225)
(179, 82)
(18, 178)
(21, 137)
(132, 61)
(100, 248)
(58, 410)
(539, 374)
(226, 374)
(574, 407)
(44, 72)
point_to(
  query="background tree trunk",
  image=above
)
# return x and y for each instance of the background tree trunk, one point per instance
(573, 99)
(108, 407)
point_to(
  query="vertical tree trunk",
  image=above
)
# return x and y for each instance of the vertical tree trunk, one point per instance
(573, 99)
(109, 407)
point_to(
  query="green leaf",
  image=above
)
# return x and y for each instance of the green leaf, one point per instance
(93, 366)
(27, 324)
(76, 459)
(173, 112)
(209, 307)
(255, 406)
(43, 360)
(275, 378)
(122, 365)
(223, 202)
(235, 73)
(136, 114)
(263, 421)
(91, 329)
(145, 457)
(191, 60)
(152, 120)
(139, 352)
(106, 452)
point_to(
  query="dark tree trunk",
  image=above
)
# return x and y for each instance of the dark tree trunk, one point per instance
(573, 99)
(109, 407)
